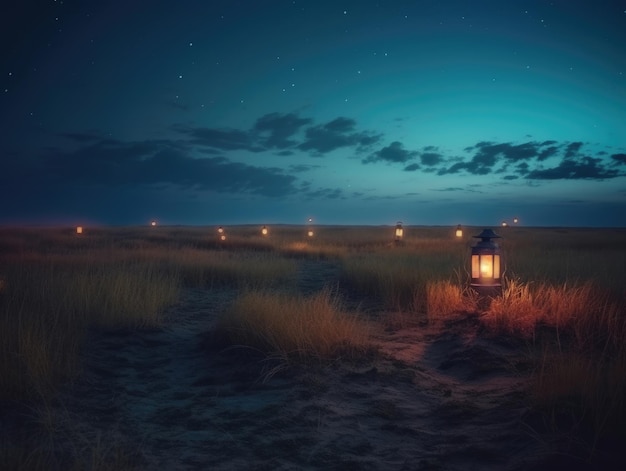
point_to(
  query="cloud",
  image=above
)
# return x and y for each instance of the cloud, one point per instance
(619, 159)
(394, 153)
(527, 159)
(586, 168)
(223, 139)
(412, 167)
(572, 149)
(111, 163)
(275, 129)
(431, 158)
(335, 134)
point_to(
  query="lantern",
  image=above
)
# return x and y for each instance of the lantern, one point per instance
(486, 262)
(79, 229)
(153, 223)
(220, 230)
(504, 224)
(515, 220)
(399, 231)
(223, 237)
(310, 233)
(264, 230)
(459, 231)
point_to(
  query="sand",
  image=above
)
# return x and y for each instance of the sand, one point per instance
(441, 396)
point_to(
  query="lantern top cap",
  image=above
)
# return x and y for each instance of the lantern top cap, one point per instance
(487, 234)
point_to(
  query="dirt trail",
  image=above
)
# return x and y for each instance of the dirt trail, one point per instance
(436, 398)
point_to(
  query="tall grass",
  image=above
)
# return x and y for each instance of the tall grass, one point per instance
(579, 331)
(293, 327)
(46, 305)
(400, 276)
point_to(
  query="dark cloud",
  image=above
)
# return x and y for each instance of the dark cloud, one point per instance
(586, 168)
(431, 158)
(112, 164)
(548, 152)
(275, 129)
(489, 157)
(619, 159)
(335, 134)
(412, 168)
(394, 153)
(223, 139)
(301, 168)
(572, 149)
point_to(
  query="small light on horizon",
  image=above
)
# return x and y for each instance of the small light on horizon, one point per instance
(220, 230)
(79, 229)
(459, 231)
(399, 231)
(504, 224)
(310, 233)
(153, 223)
(264, 230)
(515, 220)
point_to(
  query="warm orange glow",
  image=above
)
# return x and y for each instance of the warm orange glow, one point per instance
(459, 233)
(220, 229)
(79, 230)
(223, 237)
(153, 223)
(485, 266)
(264, 231)
(399, 232)
(310, 233)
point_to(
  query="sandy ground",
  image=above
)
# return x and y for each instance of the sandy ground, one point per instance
(437, 397)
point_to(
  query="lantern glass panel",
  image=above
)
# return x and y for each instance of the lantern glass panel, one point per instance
(399, 232)
(496, 266)
(459, 233)
(486, 266)
(475, 266)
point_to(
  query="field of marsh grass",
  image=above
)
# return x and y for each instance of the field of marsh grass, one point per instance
(563, 297)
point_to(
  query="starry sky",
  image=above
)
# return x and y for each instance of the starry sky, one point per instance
(432, 112)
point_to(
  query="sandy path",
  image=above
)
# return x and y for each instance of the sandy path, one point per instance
(436, 398)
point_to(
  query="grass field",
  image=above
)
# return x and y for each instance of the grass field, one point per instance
(563, 296)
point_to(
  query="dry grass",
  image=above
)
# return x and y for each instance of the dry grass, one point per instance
(294, 327)
(46, 305)
(563, 292)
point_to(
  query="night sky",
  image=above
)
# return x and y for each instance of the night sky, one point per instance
(431, 112)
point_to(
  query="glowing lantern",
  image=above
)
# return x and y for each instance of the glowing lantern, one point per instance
(220, 230)
(153, 223)
(459, 231)
(399, 231)
(264, 230)
(504, 224)
(310, 233)
(79, 229)
(223, 237)
(515, 220)
(486, 263)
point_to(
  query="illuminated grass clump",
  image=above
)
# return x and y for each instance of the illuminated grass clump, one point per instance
(293, 327)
